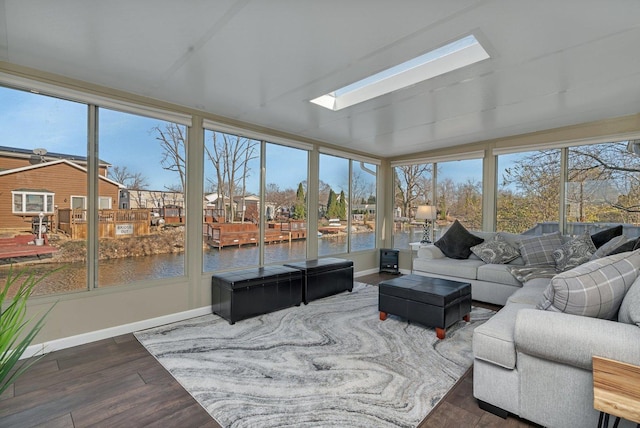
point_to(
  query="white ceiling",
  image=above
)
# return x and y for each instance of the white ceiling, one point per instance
(553, 62)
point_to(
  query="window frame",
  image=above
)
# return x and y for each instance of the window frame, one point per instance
(84, 201)
(24, 194)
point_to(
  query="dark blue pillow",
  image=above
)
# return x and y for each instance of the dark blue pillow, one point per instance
(456, 243)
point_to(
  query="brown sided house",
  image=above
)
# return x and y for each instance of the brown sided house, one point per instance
(30, 185)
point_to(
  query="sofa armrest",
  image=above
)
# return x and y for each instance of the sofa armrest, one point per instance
(430, 251)
(574, 339)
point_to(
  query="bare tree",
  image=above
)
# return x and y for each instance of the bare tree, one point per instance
(215, 157)
(361, 186)
(249, 154)
(134, 182)
(467, 206)
(529, 191)
(129, 179)
(604, 175)
(446, 197)
(412, 183)
(603, 184)
(172, 143)
(324, 189)
(230, 156)
(280, 198)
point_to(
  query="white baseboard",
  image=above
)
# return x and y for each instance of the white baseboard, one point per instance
(376, 270)
(92, 336)
(365, 272)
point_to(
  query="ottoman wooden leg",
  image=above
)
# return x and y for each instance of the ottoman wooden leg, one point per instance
(383, 316)
(440, 333)
(467, 317)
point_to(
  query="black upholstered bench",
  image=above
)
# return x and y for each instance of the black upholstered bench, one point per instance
(434, 302)
(324, 277)
(249, 292)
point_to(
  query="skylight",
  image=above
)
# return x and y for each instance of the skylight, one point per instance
(455, 55)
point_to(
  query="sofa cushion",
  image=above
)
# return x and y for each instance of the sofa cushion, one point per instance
(594, 289)
(493, 341)
(574, 253)
(495, 251)
(448, 267)
(430, 252)
(604, 236)
(456, 243)
(538, 250)
(497, 273)
(629, 312)
(530, 293)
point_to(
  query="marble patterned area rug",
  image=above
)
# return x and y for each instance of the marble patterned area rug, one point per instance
(331, 363)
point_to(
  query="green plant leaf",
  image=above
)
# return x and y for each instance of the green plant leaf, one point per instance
(15, 338)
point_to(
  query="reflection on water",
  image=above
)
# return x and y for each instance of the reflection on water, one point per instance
(126, 270)
(73, 276)
(232, 257)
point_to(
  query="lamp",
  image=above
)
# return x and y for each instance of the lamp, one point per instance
(428, 214)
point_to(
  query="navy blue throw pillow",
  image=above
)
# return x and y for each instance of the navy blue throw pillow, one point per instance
(456, 243)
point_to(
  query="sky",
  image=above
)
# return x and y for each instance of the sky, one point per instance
(32, 121)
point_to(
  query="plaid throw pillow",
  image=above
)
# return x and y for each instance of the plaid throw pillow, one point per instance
(538, 250)
(594, 289)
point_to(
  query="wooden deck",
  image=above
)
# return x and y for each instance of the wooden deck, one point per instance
(331, 229)
(22, 247)
(219, 235)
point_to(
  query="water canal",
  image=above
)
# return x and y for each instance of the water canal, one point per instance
(131, 269)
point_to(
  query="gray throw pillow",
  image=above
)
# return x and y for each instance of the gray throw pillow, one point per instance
(604, 236)
(495, 251)
(538, 250)
(574, 253)
(456, 243)
(606, 248)
(630, 245)
(594, 289)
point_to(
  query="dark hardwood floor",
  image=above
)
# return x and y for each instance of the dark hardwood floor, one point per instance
(117, 383)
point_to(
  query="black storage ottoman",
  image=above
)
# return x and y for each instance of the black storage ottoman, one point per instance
(249, 292)
(324, 277)
(434, 302)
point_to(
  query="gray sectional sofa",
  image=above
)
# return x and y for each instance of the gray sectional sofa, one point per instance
(533, 358)
(491, 283)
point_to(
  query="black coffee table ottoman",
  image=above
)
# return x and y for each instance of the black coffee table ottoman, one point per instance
(434, 302)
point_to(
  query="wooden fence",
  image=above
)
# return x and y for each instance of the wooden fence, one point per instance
(111, 223)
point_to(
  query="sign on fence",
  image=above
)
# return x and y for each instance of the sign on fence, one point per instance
(124, 229)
